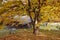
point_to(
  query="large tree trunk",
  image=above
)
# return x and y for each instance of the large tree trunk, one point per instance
(36, 15)
(32, 21)
(34, 32)
(34, 27)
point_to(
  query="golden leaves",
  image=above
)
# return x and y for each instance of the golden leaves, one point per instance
(49, 12)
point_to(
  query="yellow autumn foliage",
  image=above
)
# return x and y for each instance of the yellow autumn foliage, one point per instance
(49, 12)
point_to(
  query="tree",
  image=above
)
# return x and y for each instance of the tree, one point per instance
(10, 8)
(36, 10)
(40, 11)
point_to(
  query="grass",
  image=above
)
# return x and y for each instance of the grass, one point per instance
(26, 34)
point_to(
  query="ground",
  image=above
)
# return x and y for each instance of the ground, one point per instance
(24, 34)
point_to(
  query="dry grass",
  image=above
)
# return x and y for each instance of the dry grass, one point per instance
(26, 35)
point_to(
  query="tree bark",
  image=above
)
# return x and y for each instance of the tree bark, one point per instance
(32, 21)
(29, 7)
(35, 19)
